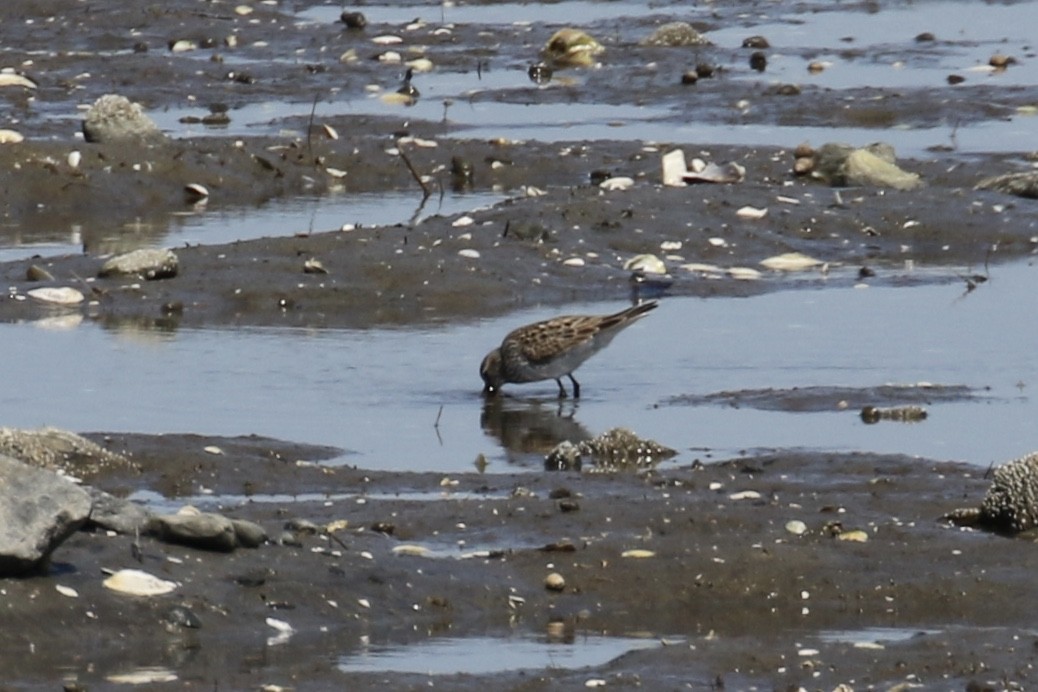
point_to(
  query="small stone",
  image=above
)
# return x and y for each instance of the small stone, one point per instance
(796, 527)
(554, 582)
(149, 264)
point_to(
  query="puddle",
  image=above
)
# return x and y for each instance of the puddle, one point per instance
(160, 504)
(874, 637)
(279, 218)
(379, 392)
(485, 655)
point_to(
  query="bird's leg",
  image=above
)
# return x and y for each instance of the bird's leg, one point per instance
(576, 386)
(562, 390)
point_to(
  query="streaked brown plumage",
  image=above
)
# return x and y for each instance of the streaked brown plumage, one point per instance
(550, 349)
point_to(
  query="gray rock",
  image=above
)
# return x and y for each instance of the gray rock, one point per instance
(1020, 184)
(864, 168)
(873, 166)
(617, 449)
(115, 514)
(149, 264)
(249, 534)
(38, 510)
(204, 530)
(115, 118)
(53, 448)
(676, 34)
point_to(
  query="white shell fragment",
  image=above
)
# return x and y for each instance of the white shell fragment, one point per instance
(195, 192)
(791, 262)
(11, 137)
(646, 264)
(73, 159)
(137, 582)
(411, 550)
(617, 183)
(469, 253)
(63, 295)
(147, 675)
(212, 449)
(751, 213)
(714, 173)
(674, 168)
(574, 262)
(745, 495)
(66, 591)
(638, 554)
(8, 78)
(386, 40)
(744, 273)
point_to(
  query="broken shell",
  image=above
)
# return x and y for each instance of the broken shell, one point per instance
(574, 262)
(647, 264)
(745, 495)
(138, 583)
(744, 273)
(412, 550)
(213, 449)
(386, 40)
(330, 132)
(554, 582)
(313, 266)
(73, 159)
(638, 553)
(335, 172)
(66, 591)
(791, 262)
(11, 137)
(10, 78)
(64, 295)
(195, 192)
(37, 273)
(618, 183)
(856, 536)
(469, 253)
(752, 213)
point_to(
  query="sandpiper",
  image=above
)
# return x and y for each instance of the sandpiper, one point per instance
(550, 349)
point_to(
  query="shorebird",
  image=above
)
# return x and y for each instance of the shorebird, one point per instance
(550, 349)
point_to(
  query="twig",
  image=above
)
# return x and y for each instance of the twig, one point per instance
(438, 414)
(310, 128)
(425, 188)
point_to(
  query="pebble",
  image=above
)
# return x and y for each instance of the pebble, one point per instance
(791, 262)
(796, 527)
(554, 582)
(469, 253)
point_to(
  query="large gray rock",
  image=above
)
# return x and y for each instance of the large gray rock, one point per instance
(115, 118)
(38, 510)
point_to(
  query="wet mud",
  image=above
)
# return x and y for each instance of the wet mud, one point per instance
(735, 598)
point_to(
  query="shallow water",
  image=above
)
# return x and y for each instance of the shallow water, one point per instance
(495, 654)
(380, 392)
(275, 219)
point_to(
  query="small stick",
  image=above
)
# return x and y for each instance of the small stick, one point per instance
(438, 414)
(425, 188)
(310, 127)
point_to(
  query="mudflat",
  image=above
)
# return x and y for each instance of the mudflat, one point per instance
(872, 590)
